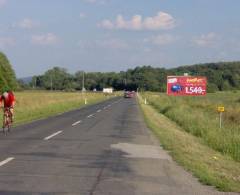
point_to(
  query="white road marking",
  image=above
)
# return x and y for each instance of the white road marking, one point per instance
(49, 137)
(76, 123)
(90, 116)
(105, 108)
(6, 161)
(99, 110)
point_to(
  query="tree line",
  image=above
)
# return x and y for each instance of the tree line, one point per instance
(221, 76)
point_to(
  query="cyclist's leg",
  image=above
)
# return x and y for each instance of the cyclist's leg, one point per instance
(11, 114)
(3, 121)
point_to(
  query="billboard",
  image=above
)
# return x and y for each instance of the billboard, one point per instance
(186, 85)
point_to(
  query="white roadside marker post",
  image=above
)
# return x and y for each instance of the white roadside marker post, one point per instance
(145, 101)
(85, 101)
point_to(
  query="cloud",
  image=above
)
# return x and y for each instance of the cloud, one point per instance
(45, 39)
(162, 39)
(6, 42)
(161, 21)
(27, 23)
(2, 3)
(206, 40)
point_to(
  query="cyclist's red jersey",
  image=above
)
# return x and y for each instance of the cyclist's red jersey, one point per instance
(9, 101)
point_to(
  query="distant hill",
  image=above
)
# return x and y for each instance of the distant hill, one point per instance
(26, 80)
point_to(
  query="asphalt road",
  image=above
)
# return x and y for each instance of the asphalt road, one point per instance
(101, 149)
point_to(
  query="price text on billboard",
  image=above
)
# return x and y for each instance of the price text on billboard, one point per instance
(186, 85)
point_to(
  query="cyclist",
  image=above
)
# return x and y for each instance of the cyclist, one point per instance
(8, 100)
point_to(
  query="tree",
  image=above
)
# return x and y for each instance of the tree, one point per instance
(57, 79)
(7, 74)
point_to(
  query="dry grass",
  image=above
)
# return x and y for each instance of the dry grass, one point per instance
(33, 105)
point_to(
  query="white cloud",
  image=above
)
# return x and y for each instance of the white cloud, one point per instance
(2, 3)
(27, 23)
(6, 42)
(161, 21)
(45, 39)
(162, 39)
(107, 24)
(206, 40)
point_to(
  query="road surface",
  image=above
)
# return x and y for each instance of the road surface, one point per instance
(101, 149)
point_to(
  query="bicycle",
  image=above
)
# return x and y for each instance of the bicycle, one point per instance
(7, 120)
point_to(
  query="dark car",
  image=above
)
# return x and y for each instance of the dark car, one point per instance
(129, 94)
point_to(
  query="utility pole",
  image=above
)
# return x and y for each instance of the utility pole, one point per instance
(83, 82)
(36, 82)
(51, 82)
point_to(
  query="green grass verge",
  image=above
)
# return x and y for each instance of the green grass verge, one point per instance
(210, 166)
(199, 117)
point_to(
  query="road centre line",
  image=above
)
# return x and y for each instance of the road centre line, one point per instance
(76, 123)
(49, 137)
(90, 116)
(6, 161)
(99, 110)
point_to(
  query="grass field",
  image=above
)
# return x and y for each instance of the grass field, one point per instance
(33, 105)
(189, 128)
(199, 116)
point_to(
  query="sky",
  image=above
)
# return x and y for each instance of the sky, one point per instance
(115, 35)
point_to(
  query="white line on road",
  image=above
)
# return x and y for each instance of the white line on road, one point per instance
(105, 107)
(6, 161)
(90, 116)
(49, 137)
(76, 123)
(99, 110)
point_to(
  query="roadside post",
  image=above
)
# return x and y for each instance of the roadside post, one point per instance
(145, 101)
(85, 101)
(220, 109)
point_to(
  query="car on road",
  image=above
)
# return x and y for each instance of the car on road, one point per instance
(129, 94)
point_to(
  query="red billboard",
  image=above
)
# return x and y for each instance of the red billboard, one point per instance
(186, 85)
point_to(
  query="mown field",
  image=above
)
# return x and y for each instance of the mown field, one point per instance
(33, 105)
(190, 130)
